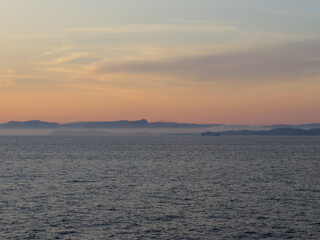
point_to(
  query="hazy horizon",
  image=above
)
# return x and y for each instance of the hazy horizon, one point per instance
(127, 129)
(185, 122)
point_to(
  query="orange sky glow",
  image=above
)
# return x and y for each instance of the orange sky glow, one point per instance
(220, 66)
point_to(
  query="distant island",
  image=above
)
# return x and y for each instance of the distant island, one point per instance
(276, 132)
(97, 128)
(143, 123)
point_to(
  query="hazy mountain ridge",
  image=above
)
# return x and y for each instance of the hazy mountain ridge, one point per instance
(276, 132)
(281, 129)
(107, 124)
(30, 124)
(143, 123)
(309, 125)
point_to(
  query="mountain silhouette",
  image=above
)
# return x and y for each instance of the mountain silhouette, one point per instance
(277, 131)
(143, 123)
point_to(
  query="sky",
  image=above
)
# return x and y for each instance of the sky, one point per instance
(203, 61)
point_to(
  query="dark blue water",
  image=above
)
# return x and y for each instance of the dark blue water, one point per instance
(160, 187)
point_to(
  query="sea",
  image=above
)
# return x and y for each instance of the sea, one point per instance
(159, 187)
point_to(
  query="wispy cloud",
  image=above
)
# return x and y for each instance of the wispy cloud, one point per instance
(77, 58)
(287, 61)
(52, 52)
(178, 26)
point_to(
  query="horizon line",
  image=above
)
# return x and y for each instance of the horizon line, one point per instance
(147, 121)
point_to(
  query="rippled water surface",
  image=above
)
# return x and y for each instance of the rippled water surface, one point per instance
(165, 187)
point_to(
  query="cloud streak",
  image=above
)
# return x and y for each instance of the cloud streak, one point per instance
(288, 61)
(181, 26)
(76, 58)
